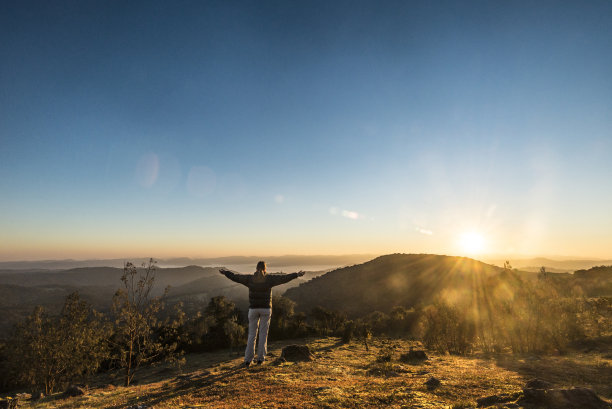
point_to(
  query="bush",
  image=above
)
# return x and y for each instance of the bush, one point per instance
(349, 331)
(446, 329)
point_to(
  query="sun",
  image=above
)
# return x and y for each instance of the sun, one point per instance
(472, 243)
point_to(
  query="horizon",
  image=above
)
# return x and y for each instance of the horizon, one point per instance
(489, 258)
(473, 129)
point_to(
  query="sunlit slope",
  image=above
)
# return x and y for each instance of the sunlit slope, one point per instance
(402, 279)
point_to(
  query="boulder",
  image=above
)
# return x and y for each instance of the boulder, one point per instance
(296, 353)
(541, 394)
(583, 398)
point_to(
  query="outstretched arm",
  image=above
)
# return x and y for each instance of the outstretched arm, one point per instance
(285, 278)
(239, 278)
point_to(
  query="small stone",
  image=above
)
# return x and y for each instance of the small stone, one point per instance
(414, 356)
(432, 383)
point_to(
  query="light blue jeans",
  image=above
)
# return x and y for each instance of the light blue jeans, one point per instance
(258, 318)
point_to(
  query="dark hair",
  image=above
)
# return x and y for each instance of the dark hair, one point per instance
(261, 266)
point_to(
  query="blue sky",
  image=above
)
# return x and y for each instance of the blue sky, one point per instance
(218, 128)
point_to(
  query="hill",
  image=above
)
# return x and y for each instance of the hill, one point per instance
(101, 276)
(21, 291)
(595, 273)
(595, 282)
(397, 279)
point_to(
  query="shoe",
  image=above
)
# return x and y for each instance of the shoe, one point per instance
(259, 362)
(247, 364)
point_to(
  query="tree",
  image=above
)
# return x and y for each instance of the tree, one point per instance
(282, 312)
(85, 337)
(220, 334)
(135, 310)
(327, 322)
(46, 351)
(235, 333)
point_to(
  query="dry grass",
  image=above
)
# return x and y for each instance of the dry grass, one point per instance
(341, 376)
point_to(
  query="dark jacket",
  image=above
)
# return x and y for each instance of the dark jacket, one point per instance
(260, 292)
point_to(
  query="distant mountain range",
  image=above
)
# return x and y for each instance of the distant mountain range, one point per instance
(101, 276)
(553, 266)
(273, 262)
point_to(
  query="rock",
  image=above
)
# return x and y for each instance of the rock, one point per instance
(296, 353)
(583, 398)
(494, 399)
(538, 384)
(534, 395)
(537, 393)
(75, 390)
(432, 383)
(414, 356)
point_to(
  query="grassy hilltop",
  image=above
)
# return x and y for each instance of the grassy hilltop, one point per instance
(340, 376)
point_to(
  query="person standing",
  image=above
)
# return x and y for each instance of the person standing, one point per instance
(260, 306)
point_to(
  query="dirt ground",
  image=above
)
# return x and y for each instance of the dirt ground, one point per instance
(340, 376)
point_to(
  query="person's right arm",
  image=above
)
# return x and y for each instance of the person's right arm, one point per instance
(239, 278)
